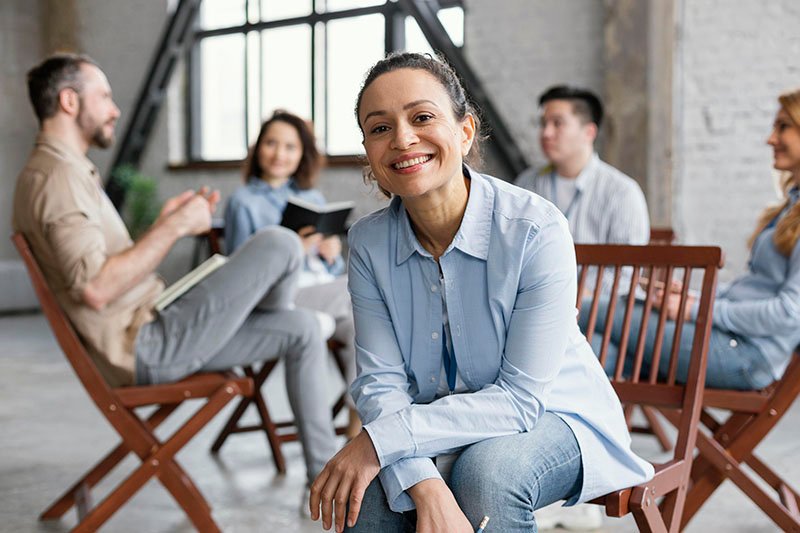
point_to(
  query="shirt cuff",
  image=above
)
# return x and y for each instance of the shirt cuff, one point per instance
(391, 438)
(398, 477)
(720, 316)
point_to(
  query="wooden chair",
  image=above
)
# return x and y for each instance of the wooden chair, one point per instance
(730, 444)
(658, 504)
(277, 433)
(118, 405)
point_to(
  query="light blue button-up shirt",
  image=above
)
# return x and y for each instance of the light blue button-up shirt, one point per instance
(764, 303)
(258, 205)
(510, 282)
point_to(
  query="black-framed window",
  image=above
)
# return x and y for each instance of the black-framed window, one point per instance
(250, 57)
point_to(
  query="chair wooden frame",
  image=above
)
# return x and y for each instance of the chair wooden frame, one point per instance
(730, 444)
(118, 405)
(658, 504)
(277, 433)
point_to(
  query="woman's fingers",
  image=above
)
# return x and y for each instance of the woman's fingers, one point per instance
(356, 498)
(316, 493)
(340, 502)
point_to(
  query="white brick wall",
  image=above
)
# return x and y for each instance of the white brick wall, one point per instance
(737, 57)
(521, 47)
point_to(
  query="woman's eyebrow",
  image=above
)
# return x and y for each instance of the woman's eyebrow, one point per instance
(405, 107)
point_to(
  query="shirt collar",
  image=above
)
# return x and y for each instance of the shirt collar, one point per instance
(794, 195)
(584, 178)
(261, 185)
(472, 236)
(67, 152)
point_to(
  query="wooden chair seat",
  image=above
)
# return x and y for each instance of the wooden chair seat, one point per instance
(137, 435)
(658, 504)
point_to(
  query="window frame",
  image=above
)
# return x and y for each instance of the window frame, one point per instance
(394, 39)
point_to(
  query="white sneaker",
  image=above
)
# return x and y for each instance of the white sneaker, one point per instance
(578, 518)
(327, 325)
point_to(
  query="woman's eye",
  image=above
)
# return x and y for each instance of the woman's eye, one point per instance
(424, 117)
(379, 129)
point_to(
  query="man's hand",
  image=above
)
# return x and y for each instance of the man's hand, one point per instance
(344, 480)
(190, 210)
(330, 249)
(437, 508)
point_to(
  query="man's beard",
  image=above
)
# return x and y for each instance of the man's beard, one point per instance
(97, 137)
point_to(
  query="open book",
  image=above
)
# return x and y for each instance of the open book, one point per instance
(198, 274)
(328, 219)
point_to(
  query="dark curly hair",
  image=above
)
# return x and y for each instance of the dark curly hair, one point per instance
(447, 77)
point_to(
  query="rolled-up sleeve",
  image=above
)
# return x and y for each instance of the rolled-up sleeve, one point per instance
(74, 236)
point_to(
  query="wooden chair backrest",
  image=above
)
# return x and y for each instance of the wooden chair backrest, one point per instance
(653, 389)
(67, 338)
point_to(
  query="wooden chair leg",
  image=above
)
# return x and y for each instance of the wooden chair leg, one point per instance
(271, 431)
(100, 470)
(188, 497)
(657, 428)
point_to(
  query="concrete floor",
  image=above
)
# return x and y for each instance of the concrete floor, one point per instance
(50, 434)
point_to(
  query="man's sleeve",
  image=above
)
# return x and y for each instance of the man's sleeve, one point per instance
(71, 227)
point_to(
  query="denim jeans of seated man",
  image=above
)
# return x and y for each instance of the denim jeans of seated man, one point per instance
(733, 361)
(504, 478)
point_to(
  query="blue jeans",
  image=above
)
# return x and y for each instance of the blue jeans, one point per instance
(733, 361)
(505, 478)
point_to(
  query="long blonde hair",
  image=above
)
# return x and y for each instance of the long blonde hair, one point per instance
(787, 231)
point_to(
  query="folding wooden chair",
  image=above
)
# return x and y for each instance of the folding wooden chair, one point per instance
(658, 504)
(730, 445)
(117, 406)
(277, 433)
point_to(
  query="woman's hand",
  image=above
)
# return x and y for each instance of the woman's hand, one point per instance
(330, 248)
(437, 509)
(309, 237)
(344, 480)
(672, 295)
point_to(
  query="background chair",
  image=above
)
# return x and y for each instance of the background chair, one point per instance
(118, 405)
(730, 445)
(658, 504)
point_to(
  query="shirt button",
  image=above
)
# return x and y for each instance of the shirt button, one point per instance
(434, 288)
(733, 343)
(435, 335)
(433, 379)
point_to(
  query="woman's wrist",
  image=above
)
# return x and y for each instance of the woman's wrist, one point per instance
(427, 489)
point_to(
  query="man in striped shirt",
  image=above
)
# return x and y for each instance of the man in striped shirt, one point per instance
(602, 204)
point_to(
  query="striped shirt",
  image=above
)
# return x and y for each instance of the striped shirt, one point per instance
(608, 207)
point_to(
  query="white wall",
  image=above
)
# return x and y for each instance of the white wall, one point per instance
(736, 58)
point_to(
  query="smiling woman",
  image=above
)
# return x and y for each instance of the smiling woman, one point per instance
(474, 383)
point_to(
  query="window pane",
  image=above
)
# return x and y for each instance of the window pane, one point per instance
(451, 18)
(286, 64)
(284, 9)
(340, 5)
(222, 96)
(222, 13)
(348, 61)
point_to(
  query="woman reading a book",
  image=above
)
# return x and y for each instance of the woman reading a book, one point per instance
(284, 162)
(478, 392)
(756, 318)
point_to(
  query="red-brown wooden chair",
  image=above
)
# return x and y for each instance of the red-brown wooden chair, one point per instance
(730, 444)
(277, 433)
(658, 504)
(118, 405)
